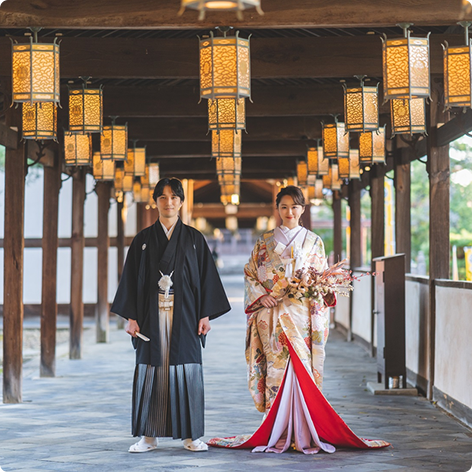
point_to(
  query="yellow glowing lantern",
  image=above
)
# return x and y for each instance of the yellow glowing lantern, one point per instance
(137, 191)
(227, 113)
(85, 109)
(226, 143)
(335, 140)
(406, 66)
(35, 71)
(457, 72)
(332, 180)
(343, 167)
(135, 162)
(408, 116)
(154, 174)
(361, 107)
(77, 149)
(372, 147)
(225, 67)
(118, 180)
(103, 169)
(220, 5)
(39, 121)
(317, 164)
(318, 189)
(302, 173)
(114, 142)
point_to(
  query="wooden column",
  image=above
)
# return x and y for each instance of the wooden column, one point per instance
(120, 246)
(337, 227)
(52, 185)
(13, 247)
(77, 265)
(402, 179)
(140, 216)
(102, 309)
(439, 183)
(305, 220)
(355, 206)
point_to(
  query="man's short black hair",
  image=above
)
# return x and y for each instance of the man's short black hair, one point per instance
(173, 183)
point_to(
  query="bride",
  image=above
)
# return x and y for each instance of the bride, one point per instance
(285, 343)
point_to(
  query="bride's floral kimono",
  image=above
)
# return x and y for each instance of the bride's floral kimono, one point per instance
(285, 352)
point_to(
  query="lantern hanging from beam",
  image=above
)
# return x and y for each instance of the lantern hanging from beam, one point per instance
(137, 190)
(318, 189)
(406, 66)
(220, 5)
(458, 72)
(103, 169)
(317, 164)
(77, 149)
(226, 143)
(335, 140)
(135, 162)
(85, 109)
(408, 116)
(225, 70)
(118, 180)
(349, 167)
(154, 174)
(372, 147)
(35, 71)
(227, 113)
(361, 107)
(331, 180)
(302, 173)
(114, 142)
(39, 121)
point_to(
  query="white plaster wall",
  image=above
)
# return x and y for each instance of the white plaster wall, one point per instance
(453, 366)
(342, 312)
(361, 307)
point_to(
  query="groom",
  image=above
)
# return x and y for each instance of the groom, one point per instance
(169, 291)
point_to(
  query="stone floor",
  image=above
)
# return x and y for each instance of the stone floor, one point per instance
(80, 420)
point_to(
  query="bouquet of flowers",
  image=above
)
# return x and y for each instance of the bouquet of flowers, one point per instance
(315, 285)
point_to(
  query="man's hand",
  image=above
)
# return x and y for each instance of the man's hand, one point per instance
(132, 327)
(204, 326)
(268, 301)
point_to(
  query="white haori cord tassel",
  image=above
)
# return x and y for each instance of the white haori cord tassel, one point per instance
(165, 283)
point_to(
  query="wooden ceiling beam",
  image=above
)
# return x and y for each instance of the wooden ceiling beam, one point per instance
(271, 58)
(162, 14)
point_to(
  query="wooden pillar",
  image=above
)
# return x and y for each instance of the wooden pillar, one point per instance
(402, 178)
(355, 206)
(377, 198)
(439, 183)
(77, 265)
(337, 227)
(306, 217)
(140, 216)
(277, 219)
(13, 247)
(52, 185)
(102, 309)
(120, 246)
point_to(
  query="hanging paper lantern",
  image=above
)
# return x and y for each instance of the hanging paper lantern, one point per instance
(317, 164)
(225, 67)
(227, 113)
(135, 162)
(154, 174)
(103, 169)
(77, 149)
(35, 72)
(39, 121)
(372, 147)
(335, 140)
(114, 142)
(220, 5)
(331, 180)
(353, 167)
(226, 143)
(408, 116)
(85, 110)
(302, 173)
(406, 67)
(361, 107)
(118, 180)
(318, 189)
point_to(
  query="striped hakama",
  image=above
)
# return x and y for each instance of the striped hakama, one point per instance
(168, 400)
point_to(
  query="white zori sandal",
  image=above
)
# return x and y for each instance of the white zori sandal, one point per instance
(145, 444)
(195, 446)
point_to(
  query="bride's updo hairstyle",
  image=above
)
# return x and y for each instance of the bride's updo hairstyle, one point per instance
(292, 191)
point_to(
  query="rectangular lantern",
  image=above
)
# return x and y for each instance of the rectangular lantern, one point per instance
(227, 113)
(318, 189)
(140, 193)
(135, 162)
(103, 169)
(77, 149)
(406, 67)
(85, 110)
(361, 108)
(336, 182)
(335, 141)
(225, 70)
(354, 165)
(457, 75)
(114, 142)
(39, 121)
(226, 143)
(118, 180)
(343, 167)
(372, 147)
(154, 174)
(35, 72)
(408, 116)
(302, 173)
(317, 164)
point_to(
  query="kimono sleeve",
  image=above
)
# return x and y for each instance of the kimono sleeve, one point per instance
(254, 290)
(125, 303)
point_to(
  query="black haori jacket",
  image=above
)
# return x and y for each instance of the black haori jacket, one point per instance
(198, 291)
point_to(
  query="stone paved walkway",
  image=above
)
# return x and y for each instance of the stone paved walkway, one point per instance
(80, 420)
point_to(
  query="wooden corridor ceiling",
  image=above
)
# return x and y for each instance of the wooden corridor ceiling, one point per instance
(147, 59)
